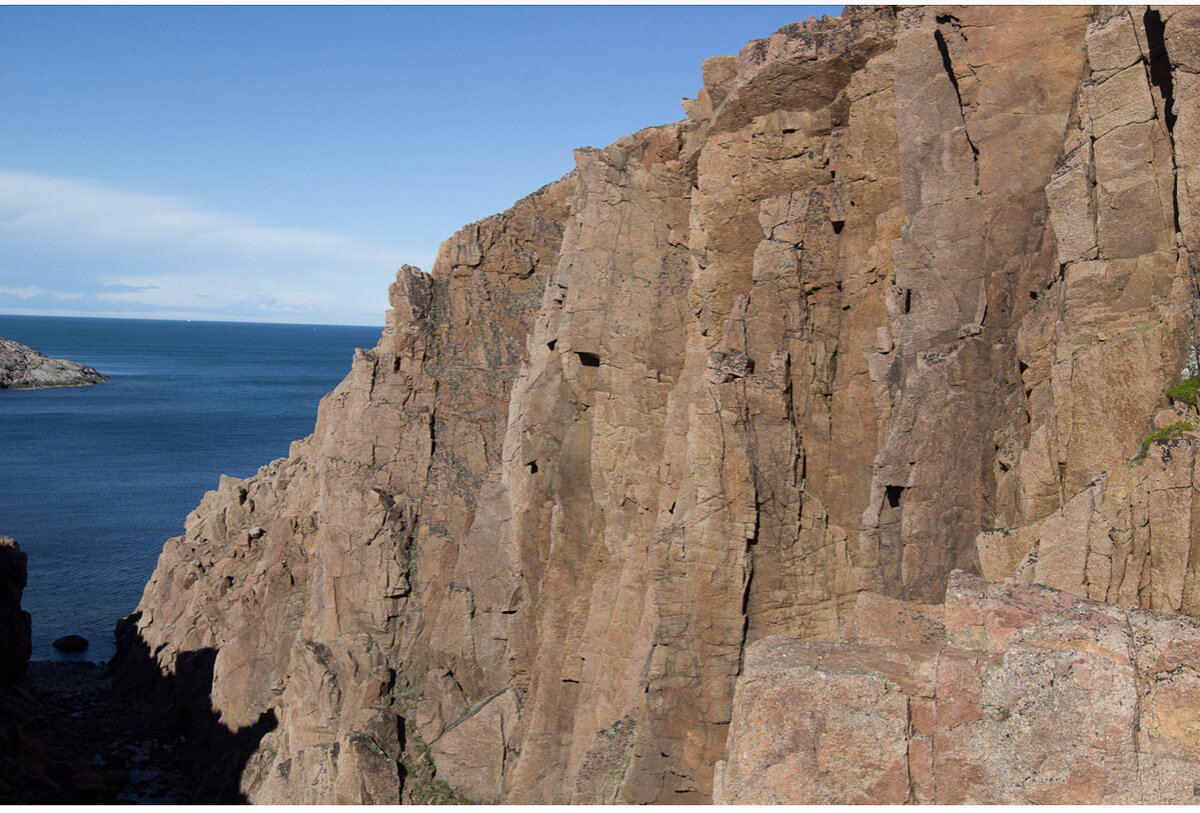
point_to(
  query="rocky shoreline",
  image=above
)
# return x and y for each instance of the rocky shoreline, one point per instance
(23, 368)
(68, 736)
(70, 733)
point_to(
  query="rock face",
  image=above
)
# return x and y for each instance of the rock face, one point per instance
(1130, 537)
(23, 368)
(1003, 695)
(902, 295)
(15, 624)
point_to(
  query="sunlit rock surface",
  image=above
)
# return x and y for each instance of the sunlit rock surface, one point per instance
(1003, 695)
(23, 368)
(903, 295)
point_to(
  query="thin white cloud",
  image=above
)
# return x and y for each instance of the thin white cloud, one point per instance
(64, 237)
(23, 292)
(72, 208)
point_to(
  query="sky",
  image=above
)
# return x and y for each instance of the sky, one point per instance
(279, 163)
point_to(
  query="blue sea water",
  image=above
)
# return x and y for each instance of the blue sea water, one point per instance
(95, 479)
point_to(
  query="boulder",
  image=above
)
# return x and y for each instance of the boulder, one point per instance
(70, 643)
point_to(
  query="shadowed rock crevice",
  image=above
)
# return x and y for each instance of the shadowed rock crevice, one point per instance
(1159, 64)
(947, 65)
(16, 642)
(215, 756)
(1159, 69)
(67, 737)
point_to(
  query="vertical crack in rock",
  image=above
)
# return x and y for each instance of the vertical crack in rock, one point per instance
(1137, 686)
(1159, 71)
(1160, 66)
(948, 67)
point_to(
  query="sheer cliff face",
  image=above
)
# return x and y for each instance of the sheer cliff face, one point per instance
(888, 303)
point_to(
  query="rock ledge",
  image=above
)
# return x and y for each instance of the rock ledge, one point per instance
(1003, 695)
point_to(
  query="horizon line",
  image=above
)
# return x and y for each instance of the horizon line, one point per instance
(186, 319)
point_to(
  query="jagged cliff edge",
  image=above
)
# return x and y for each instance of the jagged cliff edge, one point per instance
(902, 295)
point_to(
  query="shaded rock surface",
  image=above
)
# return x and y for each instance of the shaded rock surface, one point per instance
(900, 282)
(71, 643)
(16, 642)
(1002, 695)
(67, 738)
(23, 368)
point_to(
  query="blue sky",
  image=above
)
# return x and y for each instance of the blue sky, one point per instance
(279, 163)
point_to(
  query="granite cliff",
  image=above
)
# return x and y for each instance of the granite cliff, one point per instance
(23, 368)
(721, 415)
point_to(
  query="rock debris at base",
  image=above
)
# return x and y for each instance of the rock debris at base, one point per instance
(78, 741)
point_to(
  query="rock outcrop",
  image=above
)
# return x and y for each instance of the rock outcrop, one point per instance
(16, 628)
(903, 295)
(1002, 695)
(23, 368)
(1130, 537)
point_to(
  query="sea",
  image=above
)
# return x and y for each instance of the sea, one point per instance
(94, 479)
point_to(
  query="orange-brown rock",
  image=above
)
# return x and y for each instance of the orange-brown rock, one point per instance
(900, 282)
(1003, 695)
(1129, 538)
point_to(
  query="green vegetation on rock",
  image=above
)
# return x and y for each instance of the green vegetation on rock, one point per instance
(420, 774)
(1185, 390)
(1166, 433)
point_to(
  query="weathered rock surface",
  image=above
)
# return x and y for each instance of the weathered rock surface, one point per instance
(23, 368)
(1003, 695)
(900, 282)
(305, 609)
(1131, 537)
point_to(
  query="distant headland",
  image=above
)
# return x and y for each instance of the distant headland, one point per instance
(23, 368)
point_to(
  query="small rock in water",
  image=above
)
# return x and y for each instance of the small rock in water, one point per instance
(71, 643)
